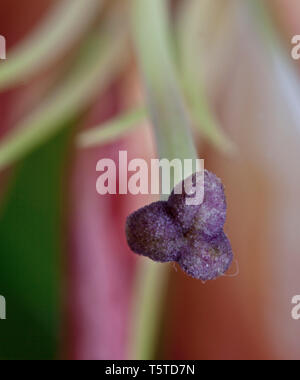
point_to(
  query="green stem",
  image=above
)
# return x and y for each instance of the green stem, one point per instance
(192, 17)
(65, 24)
(111, 130)
(95, 67)
(172, 130)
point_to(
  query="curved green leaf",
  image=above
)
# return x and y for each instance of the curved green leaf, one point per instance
(58, 32)
(97, 66)
(191, 17)
(111, 130)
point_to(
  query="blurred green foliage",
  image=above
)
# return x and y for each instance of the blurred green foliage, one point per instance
(31, 254)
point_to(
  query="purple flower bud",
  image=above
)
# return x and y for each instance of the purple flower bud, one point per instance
(206, 259)
(191, 235)
(207, 218)
(152, 232)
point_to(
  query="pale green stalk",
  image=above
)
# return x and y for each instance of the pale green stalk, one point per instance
(191, 17)
(112, 130)
(97, 65)
(172, 130)
(64, 25)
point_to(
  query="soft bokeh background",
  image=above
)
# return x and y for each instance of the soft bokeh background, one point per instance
(73, 288)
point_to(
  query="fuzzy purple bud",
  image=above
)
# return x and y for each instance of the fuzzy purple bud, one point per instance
(206, 259)
(151, 232)
(190, 235)
(207, 218)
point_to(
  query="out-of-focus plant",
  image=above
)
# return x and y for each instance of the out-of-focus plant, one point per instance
(96, 65)
(91, 45)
